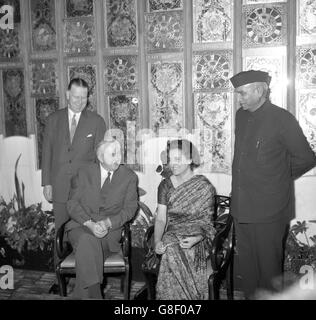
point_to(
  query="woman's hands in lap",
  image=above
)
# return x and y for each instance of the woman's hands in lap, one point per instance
(160, 248)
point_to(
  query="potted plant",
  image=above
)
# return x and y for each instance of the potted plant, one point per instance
(298, 252)
(26, 232)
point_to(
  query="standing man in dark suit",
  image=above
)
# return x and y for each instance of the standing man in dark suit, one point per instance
(103, 198)
(271, 151)
(70, 139)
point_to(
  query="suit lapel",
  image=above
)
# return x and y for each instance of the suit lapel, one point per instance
(116, 175)
(65, 126)
(97, 179)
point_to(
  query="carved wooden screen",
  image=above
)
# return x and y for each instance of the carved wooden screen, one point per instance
(159, 65)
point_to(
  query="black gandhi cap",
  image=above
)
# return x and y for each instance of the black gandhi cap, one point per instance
(251, 76)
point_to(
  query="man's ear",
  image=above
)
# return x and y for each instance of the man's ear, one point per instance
(67, 94)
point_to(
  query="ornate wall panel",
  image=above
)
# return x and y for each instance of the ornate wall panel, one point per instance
(166, 95)
(306, 65)
(212, 21)
(88, 73)
(307, 18)
(307, 115)
(79, 37)
(264, 25)
(9, 43)
(44, 78)
(165, 31)
(261, 1)
(43, 108)
(276, 67)
(14, 102)
(157, 5)
(121, 73)
(79, 8)
(124, 115)
(121, 27)
(212, 70)
(213, 117)
(43, 25)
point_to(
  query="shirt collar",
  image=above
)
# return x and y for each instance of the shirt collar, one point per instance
(71, 114)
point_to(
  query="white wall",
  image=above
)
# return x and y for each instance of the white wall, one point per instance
(10, 148)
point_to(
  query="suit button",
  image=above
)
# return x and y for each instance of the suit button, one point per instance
(69, 149)
(70, 161)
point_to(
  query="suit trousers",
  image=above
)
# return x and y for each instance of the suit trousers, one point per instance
(90, 253)
(260, 248)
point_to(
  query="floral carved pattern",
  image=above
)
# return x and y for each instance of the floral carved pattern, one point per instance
(164, 5)
(44, 78)
(14, 103)
(121, 23)
(166, 88)
(44, 107)
(307, 116)
(265, 25)
(43, 25)
(212, 21)
(307, 18)
(121, 73)
(212, 70)
(307, 67)
(9, 44)
(79, 37)
(88, 73)
(79, 8)
(272, 65)
(165, 31)
(124, 115)
(214, 119)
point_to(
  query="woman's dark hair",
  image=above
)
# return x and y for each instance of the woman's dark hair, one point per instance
(187, 148)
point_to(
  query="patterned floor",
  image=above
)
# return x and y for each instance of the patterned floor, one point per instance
(34, 285)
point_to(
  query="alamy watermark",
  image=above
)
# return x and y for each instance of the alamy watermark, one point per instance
(307, 281)
(6, 17)
(6, 278)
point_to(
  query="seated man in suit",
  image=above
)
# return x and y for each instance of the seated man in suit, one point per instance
(103, 198)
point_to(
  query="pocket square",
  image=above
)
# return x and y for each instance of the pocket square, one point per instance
(89, 135)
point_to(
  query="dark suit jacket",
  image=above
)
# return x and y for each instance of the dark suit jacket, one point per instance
(121, 205)
(270, 152)
(61, 159)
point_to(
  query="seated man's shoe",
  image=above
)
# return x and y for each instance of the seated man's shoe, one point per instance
(54, 289)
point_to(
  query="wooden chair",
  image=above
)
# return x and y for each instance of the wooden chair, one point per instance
(151, 277)
(222, 252)
(117, 263)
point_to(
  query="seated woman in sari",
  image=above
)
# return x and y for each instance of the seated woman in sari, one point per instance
(183, 228)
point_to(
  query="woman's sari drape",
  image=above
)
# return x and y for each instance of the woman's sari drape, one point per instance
(183, 272)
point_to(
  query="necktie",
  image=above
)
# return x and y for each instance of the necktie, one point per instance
(73, 127)
(107, 181)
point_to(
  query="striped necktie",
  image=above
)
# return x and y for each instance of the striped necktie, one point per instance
(73, 127)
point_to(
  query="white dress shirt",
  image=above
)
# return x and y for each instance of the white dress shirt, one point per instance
(70, 116)
(104, 174)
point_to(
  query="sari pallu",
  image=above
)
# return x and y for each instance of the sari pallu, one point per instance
(183, 272)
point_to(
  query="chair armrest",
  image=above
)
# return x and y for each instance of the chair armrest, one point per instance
(223, 246)
(147, 240)
(126, 239)
(62, 248)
